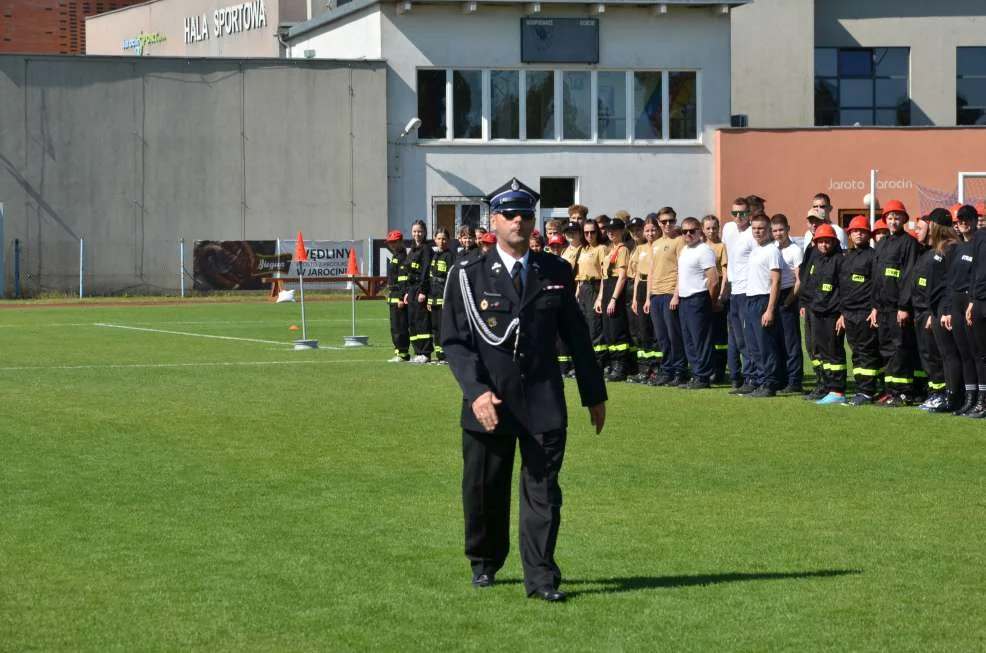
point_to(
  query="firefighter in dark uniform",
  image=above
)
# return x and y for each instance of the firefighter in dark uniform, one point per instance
(856, 296)
(397, 276)
(960, 277)
(503, 311)
(419, 320)
(824, 304)
(932, 372)
(894, 259)
(441, 263)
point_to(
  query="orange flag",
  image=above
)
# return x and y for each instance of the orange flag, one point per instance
(300, 253)
(352, 268)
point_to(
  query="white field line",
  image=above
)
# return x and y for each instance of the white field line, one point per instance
(114, 366)
(199, 335)
(189, 323)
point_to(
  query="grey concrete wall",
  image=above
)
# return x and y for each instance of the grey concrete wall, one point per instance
(932, 31)
(773, 63)
(135, 154)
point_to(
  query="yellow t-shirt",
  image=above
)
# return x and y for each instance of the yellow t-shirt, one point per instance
(616, 259)
(589, 266)
(663, 275)
(569, 255)
(719, 249)
(633, 262)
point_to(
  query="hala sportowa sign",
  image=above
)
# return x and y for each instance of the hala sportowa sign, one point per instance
(247, 264)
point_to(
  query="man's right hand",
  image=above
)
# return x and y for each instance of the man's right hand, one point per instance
(484, 408)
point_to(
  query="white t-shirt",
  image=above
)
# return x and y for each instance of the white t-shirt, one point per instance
(739, 244)
(792, 257)
(763, 259)
(840, 233)
(692, 264)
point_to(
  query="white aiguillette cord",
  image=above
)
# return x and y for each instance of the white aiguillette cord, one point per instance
(476, 320)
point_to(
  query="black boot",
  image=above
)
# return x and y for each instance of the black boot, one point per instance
(970, 400)
(978, 410)
(616, 371)
(949, 404)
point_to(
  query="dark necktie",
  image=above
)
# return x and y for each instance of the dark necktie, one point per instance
(518, 278)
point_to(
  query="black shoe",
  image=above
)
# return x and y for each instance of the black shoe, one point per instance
(662, 380)
(895, 401)
(736, 384)
(860, 399)
(816, 393)
(482, 581)
(549, 594)
(696, 384)
(744, 389)
(762, 392)
(679, 380)
(970, 401)
(978, 411)
(792, 389)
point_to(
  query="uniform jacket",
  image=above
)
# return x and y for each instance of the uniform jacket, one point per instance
(856, 280)
(894, 258)
(438, 271)
(920, 292)
(418, 260)
(962, 269)
(397, 276)
(978, 289)
(526, 378)
(938, 281)
(824, 278)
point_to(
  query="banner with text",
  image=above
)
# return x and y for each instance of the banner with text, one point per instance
(247, 264)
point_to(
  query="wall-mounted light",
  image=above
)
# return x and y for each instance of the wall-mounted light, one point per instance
(411, 125)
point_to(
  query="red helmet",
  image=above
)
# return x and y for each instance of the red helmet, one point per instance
(894, 206)
(880, 225)
(557, 239)
(489, 238)
(824, 231)
(395, 236)
(859, 222)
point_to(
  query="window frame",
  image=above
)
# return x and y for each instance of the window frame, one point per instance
(875, 107)
(958, 78)
(558, 113)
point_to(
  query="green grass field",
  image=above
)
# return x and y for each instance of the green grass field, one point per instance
(165, 491)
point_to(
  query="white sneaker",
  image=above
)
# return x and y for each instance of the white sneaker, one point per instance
(420, 358)
(396, 359)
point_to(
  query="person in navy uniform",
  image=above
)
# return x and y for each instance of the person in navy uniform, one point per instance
(504, 310)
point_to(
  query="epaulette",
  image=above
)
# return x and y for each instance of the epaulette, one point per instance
(469, 260)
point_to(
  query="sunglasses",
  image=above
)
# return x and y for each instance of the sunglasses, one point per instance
(666, 221)
(510, 215)
(737, 214)
(689, 231)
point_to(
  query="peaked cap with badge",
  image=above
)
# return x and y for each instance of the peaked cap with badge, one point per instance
(513, 196)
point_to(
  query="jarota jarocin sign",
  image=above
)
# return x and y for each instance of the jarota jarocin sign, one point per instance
(226, 21)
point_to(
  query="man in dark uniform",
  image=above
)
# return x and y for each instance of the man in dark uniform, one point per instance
(504, 310)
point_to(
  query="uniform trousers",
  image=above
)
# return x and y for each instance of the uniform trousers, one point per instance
(695, 313)
(765, 344)
(831, 348)
(436, 329)
(419, 321)
(897, 348)
(720, 341)
(930, 357)
(648, 355)
(616, 328)
(739, 360)
(951, 358)
(667, 331)
(587, 302)
(810, 342)
(399, 328)
(867, 364)
(979, 339)
(488, 462)
(794, 362)
(963, 336)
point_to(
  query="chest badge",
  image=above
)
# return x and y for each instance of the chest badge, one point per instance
(483, 305)
(491, 322)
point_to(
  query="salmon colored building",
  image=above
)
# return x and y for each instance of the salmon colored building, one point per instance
(787, 167)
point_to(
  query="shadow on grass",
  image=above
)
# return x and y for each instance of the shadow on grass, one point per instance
(637, 583)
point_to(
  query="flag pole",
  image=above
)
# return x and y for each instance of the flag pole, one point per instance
(300, 256)
(352, 270)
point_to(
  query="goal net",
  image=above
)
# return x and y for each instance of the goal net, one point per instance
(972, 187)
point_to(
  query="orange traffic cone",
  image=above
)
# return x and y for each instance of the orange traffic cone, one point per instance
(352, 268)
(300, 253)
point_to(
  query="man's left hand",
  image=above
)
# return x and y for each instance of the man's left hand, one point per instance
(597, 416)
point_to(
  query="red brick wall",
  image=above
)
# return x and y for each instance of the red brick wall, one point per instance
(50, 26)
